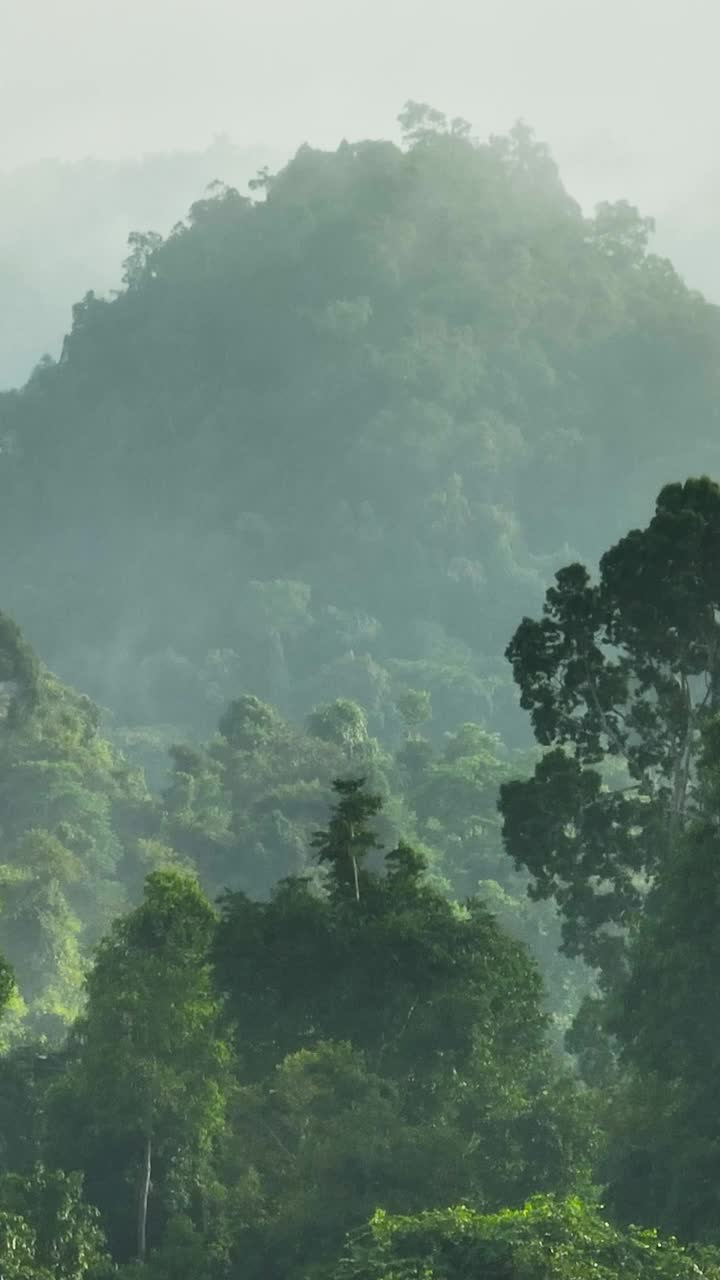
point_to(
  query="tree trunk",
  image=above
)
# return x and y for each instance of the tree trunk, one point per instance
(143, 1199)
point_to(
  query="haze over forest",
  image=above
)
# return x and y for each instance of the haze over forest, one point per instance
(359, 643)
(116, 135)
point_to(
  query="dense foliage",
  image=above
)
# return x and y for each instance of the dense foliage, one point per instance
(274, 963)
(330, 441)
(545, 1240)
(246, 1087)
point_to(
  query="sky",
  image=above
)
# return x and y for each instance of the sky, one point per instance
(624, 91)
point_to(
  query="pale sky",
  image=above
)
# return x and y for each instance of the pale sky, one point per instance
(625, 91)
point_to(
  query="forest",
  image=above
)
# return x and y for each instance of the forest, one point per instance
(360, 741)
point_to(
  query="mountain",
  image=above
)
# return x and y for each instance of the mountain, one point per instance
(332, 440)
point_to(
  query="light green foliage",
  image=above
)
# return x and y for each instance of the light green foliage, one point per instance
(70, 808)
(415, 708)
(18, 1257)
(47, 1231)
(342, 722)
(546, 1240)
(68, 1243)
(7, 984)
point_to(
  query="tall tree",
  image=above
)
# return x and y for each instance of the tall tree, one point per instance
(439, 1002)
(150, 1063)
(664, 1111)
(619, 677)
(346, 842)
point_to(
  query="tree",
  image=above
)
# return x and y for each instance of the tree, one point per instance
(436, 330)
(414, 706)
(420, 122)
(18, 1257)
(393, 1051)
(327, 1138)
(547, 1239)
(19, 671)
(149, 1062)
(248, 723)
(348, 840)
(402, 973)
(618, 677)
(436, 997)
(72, 810)
(342, 722)
(663, 1114)
(68, 1241)
(7, 984)
(41, 930)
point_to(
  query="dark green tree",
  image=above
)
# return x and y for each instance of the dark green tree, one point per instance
(618, 677)
(440, 1016)
(348, 839)
(149, 1063)
(663, 1112)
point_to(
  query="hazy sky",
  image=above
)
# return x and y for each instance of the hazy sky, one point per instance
(625, 91)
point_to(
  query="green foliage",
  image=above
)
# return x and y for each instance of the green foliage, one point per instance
(185, 1254)
(342, 722)
(415, 708)
(7, 984)
(348, 840)
(394, 1045)
(243, 810)
(626, 671)
(19, 672)
(454, 366)
(68, 1243)
(662, 1114)
(18, 1258)
(545, 1240)
(623, 670)
(71, 812)
(149, 1065)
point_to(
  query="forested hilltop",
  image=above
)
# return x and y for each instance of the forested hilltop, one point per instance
(333, 439)
(359, 770)
(65, 224)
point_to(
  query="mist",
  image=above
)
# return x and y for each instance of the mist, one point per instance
(359, 641)
(111, 110)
